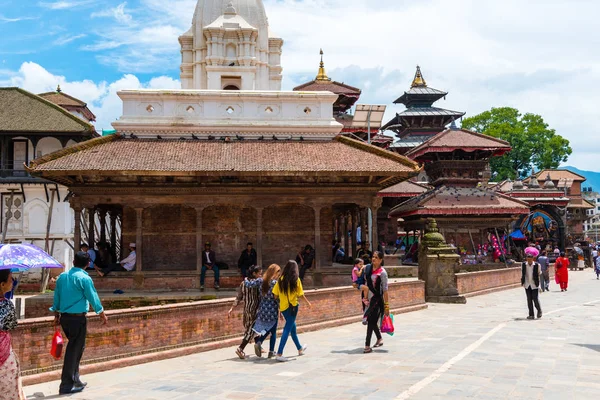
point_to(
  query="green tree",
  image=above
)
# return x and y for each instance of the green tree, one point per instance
(533, 143)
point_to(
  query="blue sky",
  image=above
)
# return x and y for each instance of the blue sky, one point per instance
(539, 56)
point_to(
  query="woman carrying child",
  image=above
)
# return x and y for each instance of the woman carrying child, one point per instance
(251, 298)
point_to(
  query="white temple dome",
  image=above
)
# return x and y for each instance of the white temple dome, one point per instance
(253, 11)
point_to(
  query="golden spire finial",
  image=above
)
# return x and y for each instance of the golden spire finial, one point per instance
(58, 89)
(322, 75)
(419, 81)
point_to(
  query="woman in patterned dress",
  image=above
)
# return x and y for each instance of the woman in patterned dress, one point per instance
(251, 298)
(268, 310)
(10, 381)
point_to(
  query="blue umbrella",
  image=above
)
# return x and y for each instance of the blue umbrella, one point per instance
(25, 256)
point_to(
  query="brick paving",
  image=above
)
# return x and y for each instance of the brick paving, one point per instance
(483, 350)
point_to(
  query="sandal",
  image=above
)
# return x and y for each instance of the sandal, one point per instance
(240, 353)
(367, 350)
(379, 343)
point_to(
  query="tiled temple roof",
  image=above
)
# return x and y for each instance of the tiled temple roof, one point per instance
(403, 189)
(22, 111)
(114, 153)
(452, 139)
(472, 201)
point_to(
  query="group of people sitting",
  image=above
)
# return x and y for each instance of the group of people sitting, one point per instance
(102, 258)
(247, 260)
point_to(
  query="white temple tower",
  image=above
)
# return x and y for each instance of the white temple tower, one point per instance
(229, 47)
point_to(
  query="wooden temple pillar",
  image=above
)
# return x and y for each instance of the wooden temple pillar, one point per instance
(259, 236)
(113, 234)
(102, 215)
(347, 248)
(139, 242)
(91, 227)
(376, 205)
(354, 231)
(77, 229)
(199, 244)
(318, 244)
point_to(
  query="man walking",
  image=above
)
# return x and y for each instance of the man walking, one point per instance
(247, 259)
(545, 265)
(209, 263)
(530, 279)
(73, 295)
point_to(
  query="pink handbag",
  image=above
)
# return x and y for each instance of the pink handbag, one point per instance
(387, 325)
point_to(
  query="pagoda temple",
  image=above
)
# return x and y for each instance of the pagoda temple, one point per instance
(471, 216)
(70, 103)
(421, 120)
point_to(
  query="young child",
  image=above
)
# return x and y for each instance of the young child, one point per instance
(358, 279)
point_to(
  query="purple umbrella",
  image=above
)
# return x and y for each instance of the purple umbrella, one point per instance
(25, 256)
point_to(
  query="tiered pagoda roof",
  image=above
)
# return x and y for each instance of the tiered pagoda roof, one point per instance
(347, 95)
(421, 117)
(69, 103)
(455, 139)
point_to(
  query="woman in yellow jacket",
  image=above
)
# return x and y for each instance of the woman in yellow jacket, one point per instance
(288, 289)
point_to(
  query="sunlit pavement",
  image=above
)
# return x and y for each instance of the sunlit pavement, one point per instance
(483, 350)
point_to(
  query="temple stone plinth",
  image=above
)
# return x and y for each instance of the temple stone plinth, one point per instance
(437, 267)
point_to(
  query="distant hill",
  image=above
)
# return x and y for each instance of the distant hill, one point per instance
(593, 178)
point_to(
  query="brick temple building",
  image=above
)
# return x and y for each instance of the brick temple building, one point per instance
(224, 166)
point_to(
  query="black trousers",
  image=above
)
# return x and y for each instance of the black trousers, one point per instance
(532, 298)
(113, 267)
(302, 271)
(372, 326)
(75, 328)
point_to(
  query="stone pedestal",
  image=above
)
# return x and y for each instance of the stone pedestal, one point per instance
(437, 267)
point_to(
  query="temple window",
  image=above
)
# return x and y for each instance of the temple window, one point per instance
(307, 111)
(269, 110)
(231, 87)
(150, 109)
(190, 110)
(230, 110)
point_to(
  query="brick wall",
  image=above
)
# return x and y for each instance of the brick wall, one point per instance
(287, 229)
(470, 282)
(149, 329)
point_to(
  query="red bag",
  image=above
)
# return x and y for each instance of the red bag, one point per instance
(387, 325)
(57, 345)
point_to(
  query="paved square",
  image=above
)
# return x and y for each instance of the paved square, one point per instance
(483, 350)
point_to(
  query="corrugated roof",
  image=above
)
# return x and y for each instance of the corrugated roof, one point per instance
(114, 153)
(472, 201)
(22, 111)
(429, 111)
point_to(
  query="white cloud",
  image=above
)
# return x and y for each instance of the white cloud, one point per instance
(101, 97)
(118, 13)
(66, 39)
(16, 19)
(64, 4)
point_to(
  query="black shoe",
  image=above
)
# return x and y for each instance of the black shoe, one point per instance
(217, 287)
(202, 288)
(80, 384)
(539, 315)
(531, 317)
(74, 389)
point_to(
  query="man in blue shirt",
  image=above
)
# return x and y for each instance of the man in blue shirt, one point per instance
(73, 295)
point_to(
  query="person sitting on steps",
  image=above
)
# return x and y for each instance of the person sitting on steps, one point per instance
(209, 263)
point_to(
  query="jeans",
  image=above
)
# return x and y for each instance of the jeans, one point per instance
(545, 283)
(75, 328)
(532, 298)
(215, 269)
(273, 340)
(289, 329)
(302, 272)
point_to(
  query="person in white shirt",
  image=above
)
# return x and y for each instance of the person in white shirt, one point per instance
(127, 264)
(530, 280)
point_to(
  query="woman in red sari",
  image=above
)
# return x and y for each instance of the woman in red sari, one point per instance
(562, 271)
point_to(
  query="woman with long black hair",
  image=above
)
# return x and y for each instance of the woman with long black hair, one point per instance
(288, 289)
(251, 298)
(10, 373)
(377, 281)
